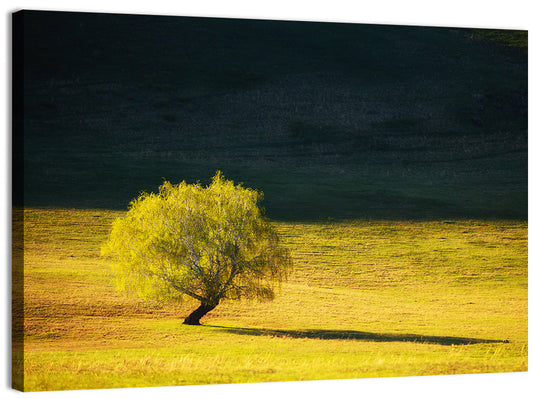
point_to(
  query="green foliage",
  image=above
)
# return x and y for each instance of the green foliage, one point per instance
(209, 243)
(507, 38)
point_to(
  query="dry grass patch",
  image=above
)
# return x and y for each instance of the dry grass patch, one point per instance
(366, 299)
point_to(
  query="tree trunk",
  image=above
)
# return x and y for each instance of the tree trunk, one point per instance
(194, 318)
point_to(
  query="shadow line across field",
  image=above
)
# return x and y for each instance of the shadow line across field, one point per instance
(357, 335)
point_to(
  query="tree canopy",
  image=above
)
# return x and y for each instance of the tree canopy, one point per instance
(209, 243)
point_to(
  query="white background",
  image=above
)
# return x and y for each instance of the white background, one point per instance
(504, 14)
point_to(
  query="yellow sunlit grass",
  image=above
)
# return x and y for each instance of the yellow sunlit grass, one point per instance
(366, 299)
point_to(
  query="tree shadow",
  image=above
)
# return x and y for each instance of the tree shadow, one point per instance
(357, 335)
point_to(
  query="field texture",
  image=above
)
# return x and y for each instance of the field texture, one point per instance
(393, 161)
(328, 120)
(366, 299)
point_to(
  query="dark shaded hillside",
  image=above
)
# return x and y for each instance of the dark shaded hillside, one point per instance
(329, 120)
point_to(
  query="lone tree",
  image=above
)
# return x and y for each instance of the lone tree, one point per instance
(209, 243)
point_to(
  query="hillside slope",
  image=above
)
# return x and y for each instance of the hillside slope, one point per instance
(329, 120)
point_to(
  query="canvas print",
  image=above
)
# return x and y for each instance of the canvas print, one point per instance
(213, 200)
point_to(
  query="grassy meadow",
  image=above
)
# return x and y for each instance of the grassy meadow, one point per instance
(393, 161)
(366, 299)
